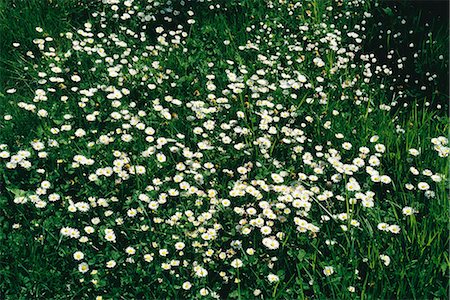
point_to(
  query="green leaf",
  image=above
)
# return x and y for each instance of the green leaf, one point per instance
(301, 254)
(17, 192)
(388, 11)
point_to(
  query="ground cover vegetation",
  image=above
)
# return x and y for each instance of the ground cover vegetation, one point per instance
(223, 149)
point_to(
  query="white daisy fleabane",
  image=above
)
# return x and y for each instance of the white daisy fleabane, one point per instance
(272, 278)
(328, 270)
(83, 267)
(198, 181)
(78, 255)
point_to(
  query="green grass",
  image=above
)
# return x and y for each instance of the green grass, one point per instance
(36, 261)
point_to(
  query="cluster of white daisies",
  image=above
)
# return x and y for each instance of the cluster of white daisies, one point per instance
(192, 169)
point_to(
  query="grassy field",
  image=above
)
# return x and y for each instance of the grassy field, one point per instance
(224, 149)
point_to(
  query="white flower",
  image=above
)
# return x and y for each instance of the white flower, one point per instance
(45, 184)
(414, 152)
(353, 185)
(54, 197)
(161, 157)
(148, 257)
(266, 230)
(375, 178)
(380, 148)
(4, 154)
(242, 170)
(414, 171)
(436, 178)
(318, 62)
(277, 178)
(187, 285)
(385, 179)
(408, 211)
(75, 78)
(328, 270)
(423, 186)
(83, 267)
(78, 255)
(42, 113)
(383, 226)
(270, 243)
(127, 138)
(130, 250)
(409, 186)
(200, 272)
(394, 229)
(110, 235)
(111, 264)
(347, 146)
(386, 259)
(179, 246)
(236, 263)
(273, 278)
